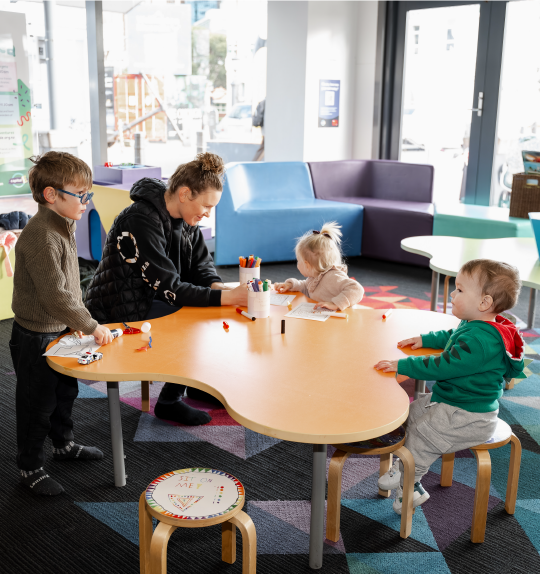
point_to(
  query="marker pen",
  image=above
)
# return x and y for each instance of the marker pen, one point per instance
(387, 314)
(247, 315)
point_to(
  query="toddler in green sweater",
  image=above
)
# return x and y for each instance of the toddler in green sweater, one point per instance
(484, 350)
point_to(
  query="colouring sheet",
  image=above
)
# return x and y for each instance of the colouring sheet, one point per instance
(305, 311)
(282, 300)
(71, 346)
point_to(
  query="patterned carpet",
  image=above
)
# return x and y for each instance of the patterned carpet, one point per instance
(93, 528)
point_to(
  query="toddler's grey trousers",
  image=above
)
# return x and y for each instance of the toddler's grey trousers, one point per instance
(434, 429)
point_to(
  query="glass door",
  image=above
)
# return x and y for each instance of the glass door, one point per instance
(438, 92)
(518, 122)
(442, 92)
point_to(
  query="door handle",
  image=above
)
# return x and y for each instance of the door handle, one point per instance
(480, 107)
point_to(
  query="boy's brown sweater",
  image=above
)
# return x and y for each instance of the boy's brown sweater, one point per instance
(46, 291)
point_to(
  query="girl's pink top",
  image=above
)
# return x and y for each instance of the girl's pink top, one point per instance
(333, 286)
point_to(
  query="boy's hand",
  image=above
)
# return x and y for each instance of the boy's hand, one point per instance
(102, 335)
(414, 342)
(386, 366)
(326, 305)
(282, 287)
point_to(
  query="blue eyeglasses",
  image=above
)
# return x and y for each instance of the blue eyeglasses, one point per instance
(85, 197)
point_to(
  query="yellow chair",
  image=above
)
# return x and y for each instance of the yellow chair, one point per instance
(194, 498)
(385, 447)
(502, 436)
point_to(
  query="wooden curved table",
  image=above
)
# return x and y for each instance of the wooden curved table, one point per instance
(448, 254)
(315, 384)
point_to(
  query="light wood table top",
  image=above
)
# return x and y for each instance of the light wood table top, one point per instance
(448, 254)
(315, 384)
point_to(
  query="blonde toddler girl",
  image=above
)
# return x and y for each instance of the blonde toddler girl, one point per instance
(320, 260)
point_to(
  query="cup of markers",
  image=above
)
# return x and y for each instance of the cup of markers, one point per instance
(259, 298)
(250, 268)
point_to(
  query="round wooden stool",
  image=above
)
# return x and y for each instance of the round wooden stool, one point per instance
(502, 436)
(194, 498)
(384, 446)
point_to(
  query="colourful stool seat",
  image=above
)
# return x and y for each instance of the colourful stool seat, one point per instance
(194, 498)
(195, 494)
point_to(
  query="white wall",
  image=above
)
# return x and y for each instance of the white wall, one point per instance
(367, 91)
(312, 41)
(331, 55)
(286, 72)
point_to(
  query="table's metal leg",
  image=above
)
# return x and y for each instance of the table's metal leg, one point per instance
(113, 394)
(419, 387)
(532, 309)
(434, 290)
(318, 489)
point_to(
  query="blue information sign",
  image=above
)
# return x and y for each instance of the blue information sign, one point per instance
(329, 103)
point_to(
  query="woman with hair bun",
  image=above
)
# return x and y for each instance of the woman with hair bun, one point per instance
(155, 260)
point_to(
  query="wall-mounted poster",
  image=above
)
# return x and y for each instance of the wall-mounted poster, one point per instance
(329, 103)
(16, 142)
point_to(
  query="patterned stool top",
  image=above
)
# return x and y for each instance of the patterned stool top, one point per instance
(383, 441)
(194, 493)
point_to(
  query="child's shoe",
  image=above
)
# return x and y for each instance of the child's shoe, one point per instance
(391, 478)
(40, 483)
(419, 497)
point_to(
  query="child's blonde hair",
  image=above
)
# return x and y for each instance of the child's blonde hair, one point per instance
(321, 249)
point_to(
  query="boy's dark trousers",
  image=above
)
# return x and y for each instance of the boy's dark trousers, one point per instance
(44, 398)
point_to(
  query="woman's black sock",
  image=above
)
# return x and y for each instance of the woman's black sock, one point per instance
(40, 483)
(179, 412)
(203, 396)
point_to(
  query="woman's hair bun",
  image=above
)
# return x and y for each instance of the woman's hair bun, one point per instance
(211, 162)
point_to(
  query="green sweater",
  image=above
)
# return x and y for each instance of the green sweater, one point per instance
(470, 372)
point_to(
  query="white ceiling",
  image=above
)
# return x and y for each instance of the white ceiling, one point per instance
(122, 6)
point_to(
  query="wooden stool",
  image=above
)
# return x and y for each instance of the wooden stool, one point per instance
(384, 446)
(194, 498)
(503, 435)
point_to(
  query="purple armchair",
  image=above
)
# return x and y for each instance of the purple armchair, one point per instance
(397, 200)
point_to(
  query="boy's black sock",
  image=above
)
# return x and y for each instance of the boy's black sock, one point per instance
(40, 483)
(181, 413)
(74, 451)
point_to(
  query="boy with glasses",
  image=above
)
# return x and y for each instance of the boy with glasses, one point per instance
(47, 303)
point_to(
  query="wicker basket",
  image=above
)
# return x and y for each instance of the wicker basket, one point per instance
(525, 196)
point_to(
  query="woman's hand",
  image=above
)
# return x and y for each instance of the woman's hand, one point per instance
(386, 366)
(326, 305)
(237, 296)
(414, 342)
(282, 287)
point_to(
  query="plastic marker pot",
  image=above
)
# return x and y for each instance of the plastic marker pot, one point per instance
(247, 273)
(259, 304)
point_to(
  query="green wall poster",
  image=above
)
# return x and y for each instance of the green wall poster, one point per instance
(16, 141)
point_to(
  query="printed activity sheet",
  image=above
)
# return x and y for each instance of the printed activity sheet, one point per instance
(71, 346)
(282, 300)
(305, 311)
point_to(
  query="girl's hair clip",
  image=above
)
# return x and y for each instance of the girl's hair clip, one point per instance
(315, 232)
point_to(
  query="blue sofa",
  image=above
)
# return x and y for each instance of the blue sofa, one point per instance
(266, 206)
